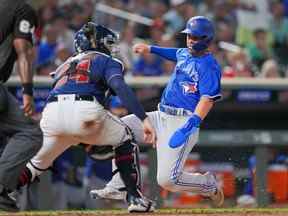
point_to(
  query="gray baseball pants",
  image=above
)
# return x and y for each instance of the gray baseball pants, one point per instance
(24, 139)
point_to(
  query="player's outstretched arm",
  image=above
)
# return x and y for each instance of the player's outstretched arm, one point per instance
(165, 52)
(141, 48)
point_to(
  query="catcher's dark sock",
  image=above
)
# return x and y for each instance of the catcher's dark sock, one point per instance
(125, 162)
(24, 178)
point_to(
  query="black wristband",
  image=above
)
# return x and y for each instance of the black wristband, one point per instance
(27, 89)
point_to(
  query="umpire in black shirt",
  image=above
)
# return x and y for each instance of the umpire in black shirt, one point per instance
(17, 23)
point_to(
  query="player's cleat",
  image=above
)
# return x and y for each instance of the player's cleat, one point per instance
(7, 203)
(108, 192)
(217, 198)
(140, 204)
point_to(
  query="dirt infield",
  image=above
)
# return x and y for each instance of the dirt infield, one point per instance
(149, 214)
(162, 212)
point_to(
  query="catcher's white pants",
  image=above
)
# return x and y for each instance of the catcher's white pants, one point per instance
(68, 122)
(170, 162)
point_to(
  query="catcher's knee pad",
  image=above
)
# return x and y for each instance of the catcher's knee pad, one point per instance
(127, 162)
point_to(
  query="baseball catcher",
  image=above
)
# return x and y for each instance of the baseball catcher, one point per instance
(75, 111)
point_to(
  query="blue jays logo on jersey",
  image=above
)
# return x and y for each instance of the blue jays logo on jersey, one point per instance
(189, 69)
(189, 87)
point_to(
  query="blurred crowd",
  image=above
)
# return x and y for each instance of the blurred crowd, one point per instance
(251, 35)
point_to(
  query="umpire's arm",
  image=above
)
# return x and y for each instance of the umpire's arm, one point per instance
(24, 52)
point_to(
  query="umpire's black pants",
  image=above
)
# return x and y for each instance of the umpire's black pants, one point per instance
(24, 139)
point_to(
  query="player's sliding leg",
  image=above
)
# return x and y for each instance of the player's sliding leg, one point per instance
(170, 173)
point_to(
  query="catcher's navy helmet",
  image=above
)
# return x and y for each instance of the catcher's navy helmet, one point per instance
(202, 28)
(95, 37)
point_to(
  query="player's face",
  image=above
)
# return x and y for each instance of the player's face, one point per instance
(191, 40)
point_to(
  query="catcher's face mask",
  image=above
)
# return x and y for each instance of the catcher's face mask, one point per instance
(96, 37)
(111, 42)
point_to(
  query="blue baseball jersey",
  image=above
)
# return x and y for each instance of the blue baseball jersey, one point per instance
(90, 75)
(193, 78)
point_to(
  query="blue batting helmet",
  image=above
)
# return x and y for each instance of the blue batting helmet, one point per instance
(95, 37)
(201, 27)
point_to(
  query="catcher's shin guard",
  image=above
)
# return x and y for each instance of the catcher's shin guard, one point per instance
(127, 162)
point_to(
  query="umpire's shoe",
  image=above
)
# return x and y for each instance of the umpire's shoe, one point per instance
(139, 204)
(7, 203)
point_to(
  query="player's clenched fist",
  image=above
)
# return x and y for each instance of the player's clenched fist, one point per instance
(149, 132)
(141, 48)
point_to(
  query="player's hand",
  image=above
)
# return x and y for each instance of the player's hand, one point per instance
(181, 135)
(149, 132)
(28, 105)
(141, 48)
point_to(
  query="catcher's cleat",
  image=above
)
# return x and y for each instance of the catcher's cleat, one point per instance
(7, 203)
(140, 204)
(108, 192)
